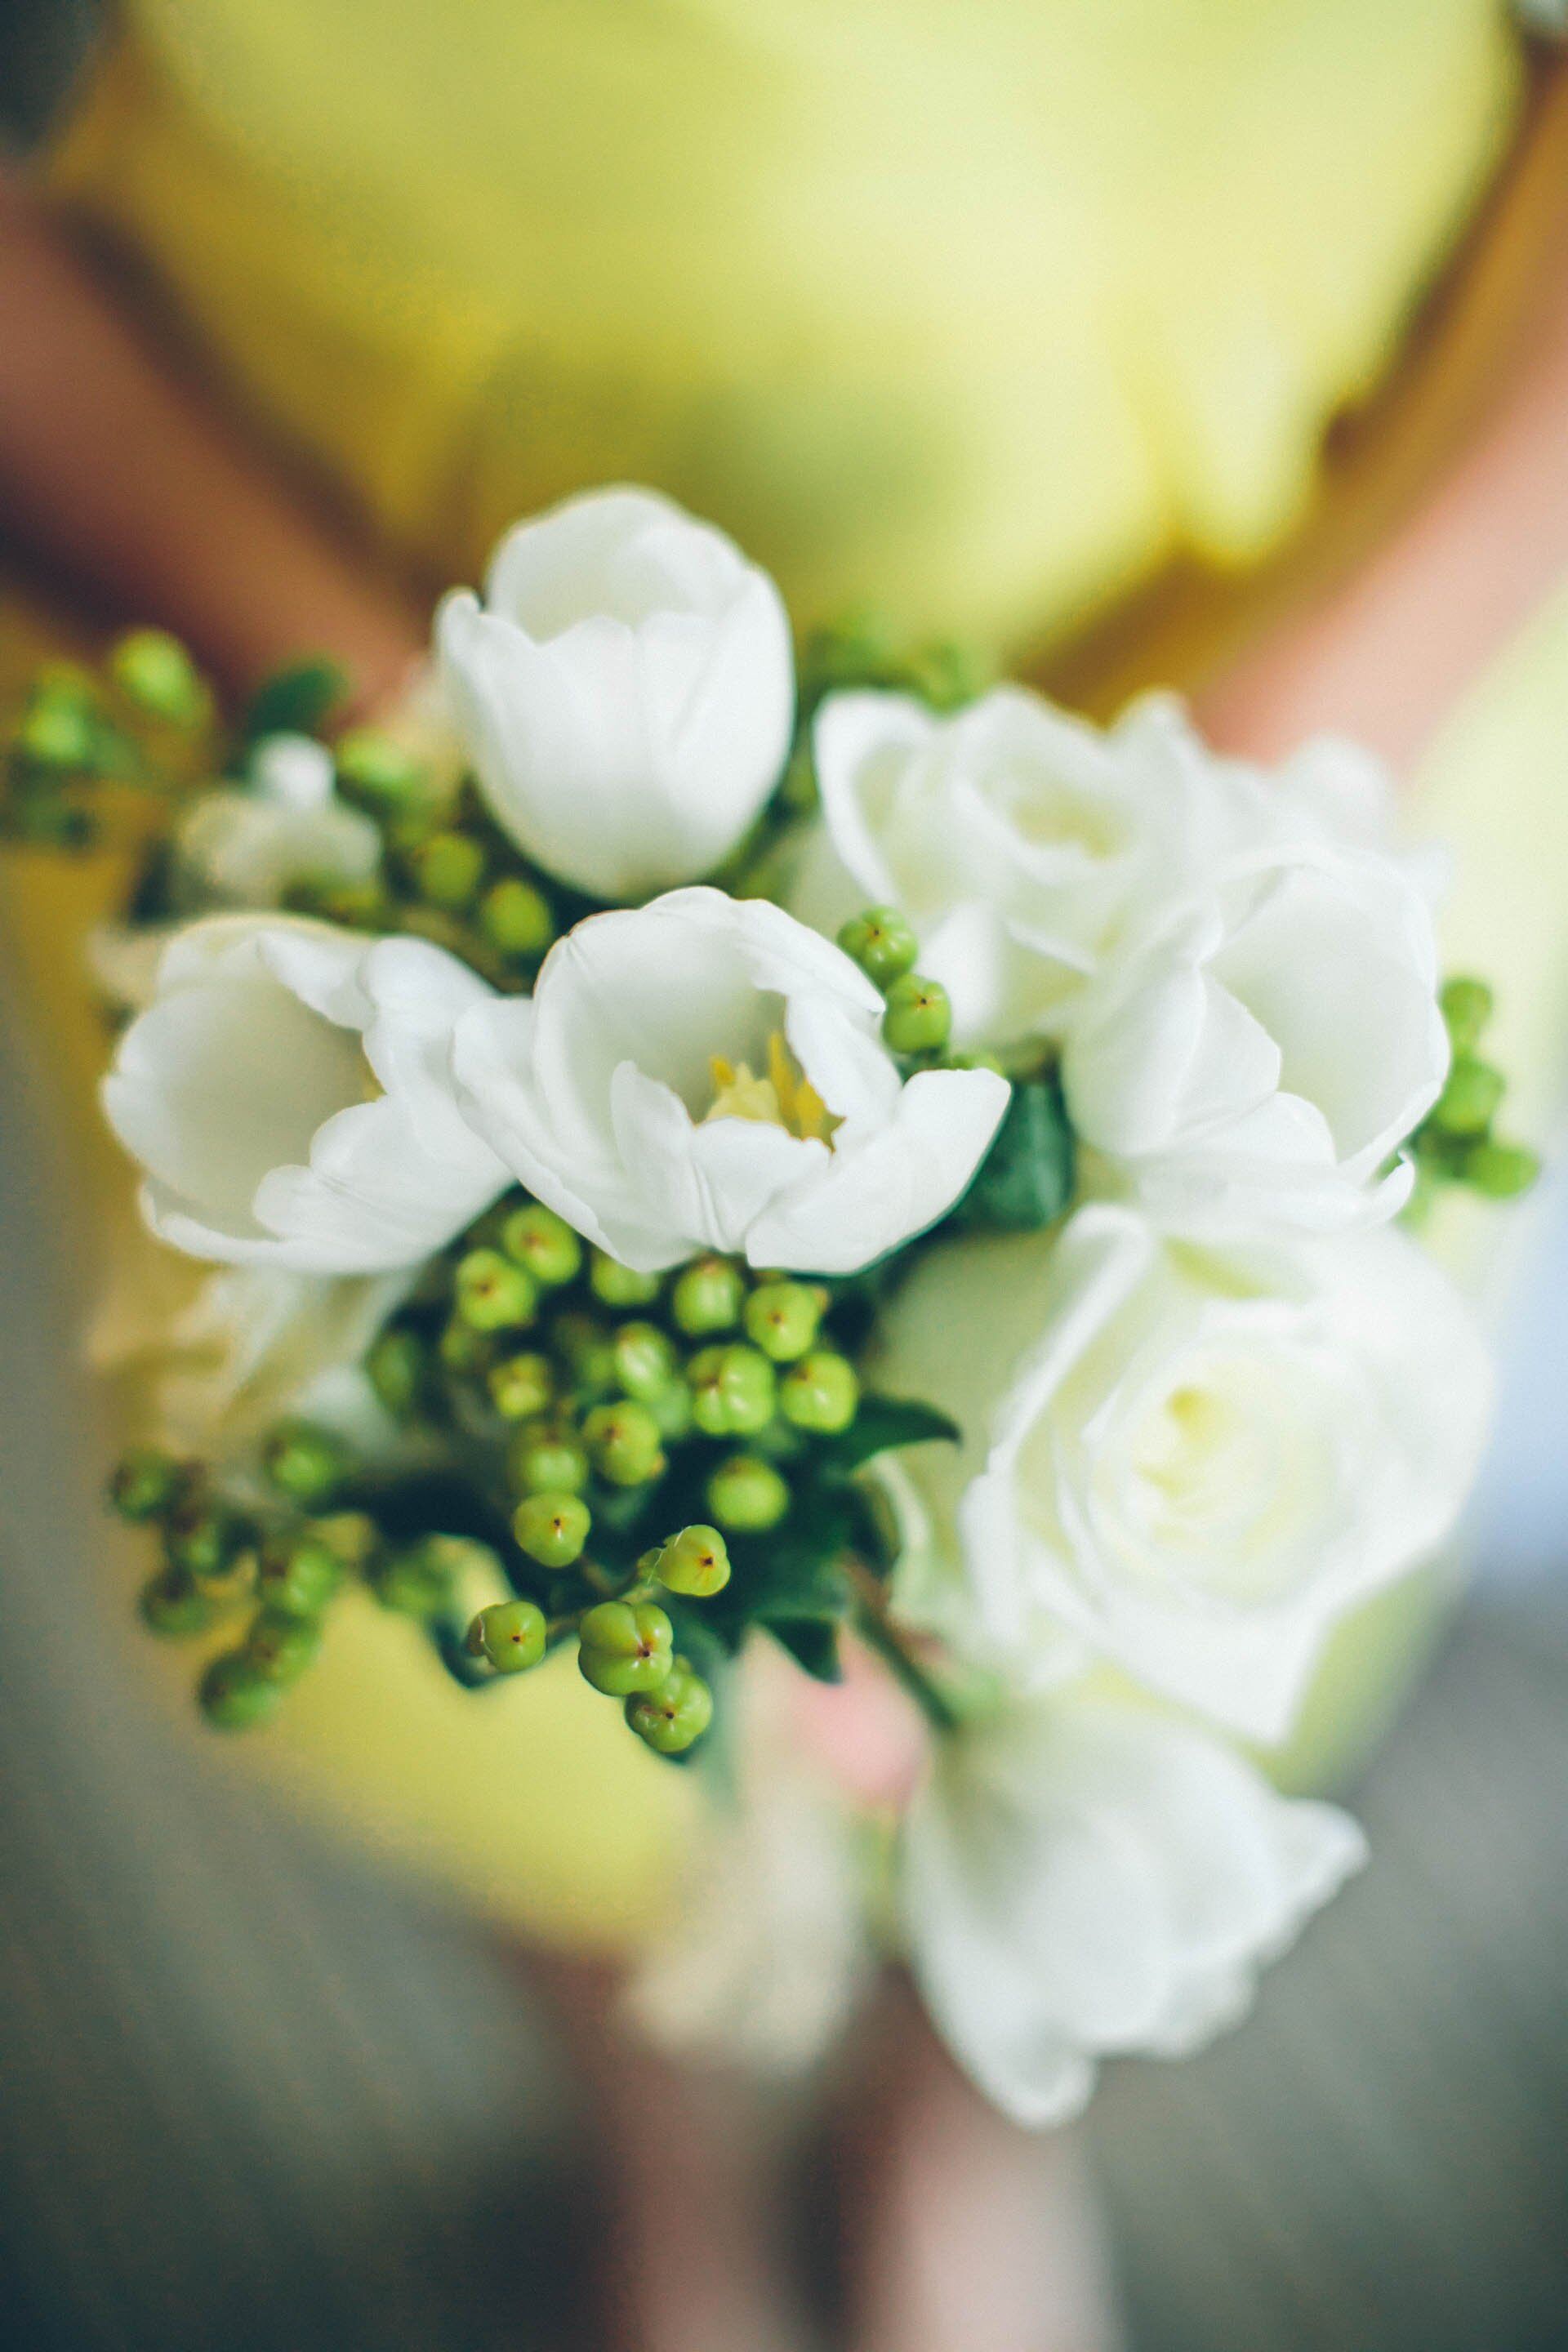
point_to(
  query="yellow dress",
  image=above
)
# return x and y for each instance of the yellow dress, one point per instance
(977, 313)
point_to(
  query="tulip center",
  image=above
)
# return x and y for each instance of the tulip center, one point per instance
(782, 1095)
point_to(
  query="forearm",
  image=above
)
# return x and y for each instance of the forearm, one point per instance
(1384, 654)
(116, 473)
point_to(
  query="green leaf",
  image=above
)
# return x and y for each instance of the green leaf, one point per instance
(882, 1423)
(813, 1646)
(1026, 1180)
(294, 701)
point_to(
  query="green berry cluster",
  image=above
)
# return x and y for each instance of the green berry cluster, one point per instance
(919, 1016)
(1458, 1142)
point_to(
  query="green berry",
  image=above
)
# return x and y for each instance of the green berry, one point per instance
(280, 1648)
(304, 1461)
(58, 733)
(919, 1018)
(415, 1581)
(395, 1367)
(672, 1410)
(618, 1285)
(494, 1293)
(695, 1562)
(510, 1634)
(515, 918)
(234, 1696)
(463, 1350)
(552, 1527)
(673, 1718)
(781, 1318)
(587, 1347)
(645, 1360)
(522, 1386)
(820, 1394)
(153, 670)
(147, 1484)
(1467, 1008)
(733, 1392)
(623, 1443)
(882, 943)
(624, 1647)
(207, 1544)
(373, 764)
(447, 869)
(172, 1607)
(1501, 1171)
(747, 1495)
(1469, 1099)
(298, 1576)
(543, 1243)
(544, 1460)
(707, 1296)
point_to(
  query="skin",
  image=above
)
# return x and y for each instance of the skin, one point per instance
(1380, 649)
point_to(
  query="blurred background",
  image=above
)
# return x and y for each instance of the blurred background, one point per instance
(260, 2093)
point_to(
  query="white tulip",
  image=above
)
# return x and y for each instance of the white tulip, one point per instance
(705, 1073)
(289, 1095)
(1192, 1462)
(1085, 1878)
(1257, 1059)
(626, 693)
(1027, 846)
(244, 847)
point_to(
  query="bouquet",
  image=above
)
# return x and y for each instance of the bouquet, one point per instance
(697, 1160)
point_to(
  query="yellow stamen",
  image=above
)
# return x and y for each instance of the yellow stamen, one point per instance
(786, 1097)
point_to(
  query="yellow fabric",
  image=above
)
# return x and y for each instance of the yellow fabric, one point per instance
(978, 310)
(976, 313)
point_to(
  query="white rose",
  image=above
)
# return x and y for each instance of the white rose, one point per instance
(212, 1360)
(1026, 845)
(626, 693)
(243, 847)
(1084, 1878)
(288, 1093)
(1192, 1460)
(1257, 1057)
(705, 1073)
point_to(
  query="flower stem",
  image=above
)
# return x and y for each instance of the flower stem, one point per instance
(894, 1647)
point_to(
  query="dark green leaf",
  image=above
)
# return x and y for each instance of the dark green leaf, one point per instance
(812, 1644)
(881, 1423)
(294, 701)
(1026, 1178)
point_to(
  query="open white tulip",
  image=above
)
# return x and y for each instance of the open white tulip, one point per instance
(1257, 1059)
(1192, 1461)
(705, 1073)
(288, 1093)
(1085, 1878)
(626, 692)
(243, 847)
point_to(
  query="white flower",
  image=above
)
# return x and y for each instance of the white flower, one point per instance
(705, 1073)
(1084, 1878)
(213, 1359)
(1257, 1057)
(626, 693)
(288, 1094)
(244, 848)
(1025, 846)
(1194, 1461)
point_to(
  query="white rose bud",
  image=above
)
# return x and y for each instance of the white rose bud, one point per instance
(626, 692)
(1192, 1462)
(1255, 1059)
(288, 1093)
(244, 847)
(705, 1073)
(1085, 1878)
